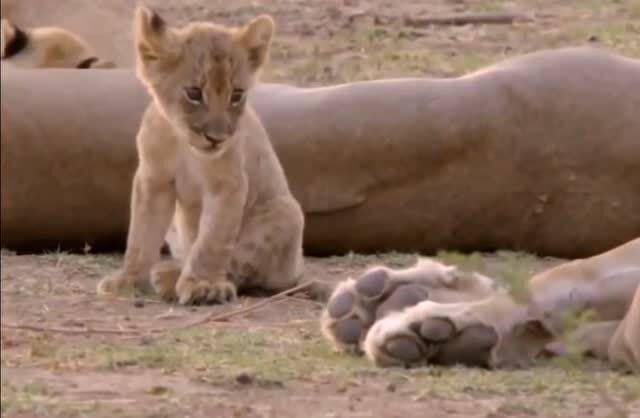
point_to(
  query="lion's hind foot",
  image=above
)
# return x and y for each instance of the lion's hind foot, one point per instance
(420, 336)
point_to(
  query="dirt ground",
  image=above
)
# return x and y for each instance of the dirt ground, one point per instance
(88, 357)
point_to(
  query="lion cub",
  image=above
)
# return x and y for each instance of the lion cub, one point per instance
(206, 160)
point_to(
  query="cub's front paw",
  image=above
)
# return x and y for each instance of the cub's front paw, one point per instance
(196, 290)
(164, 277)
(119, 283)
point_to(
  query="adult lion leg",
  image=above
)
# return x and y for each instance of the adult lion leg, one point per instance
(624, 349)
(356, 304)
(604, 284)
(591, 339)
(268, 254)
(499, 332)
(614, 341)
(152, 206)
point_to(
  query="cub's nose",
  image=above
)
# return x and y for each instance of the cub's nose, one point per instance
(215, 139)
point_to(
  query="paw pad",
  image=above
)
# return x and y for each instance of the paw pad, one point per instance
(372, 284)
(348, 331)
(404, 349)
(436, 329)
(403, 341)
(356, 304)
(340, 305)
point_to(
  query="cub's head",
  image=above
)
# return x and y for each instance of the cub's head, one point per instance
(46, 47)
(199, 75)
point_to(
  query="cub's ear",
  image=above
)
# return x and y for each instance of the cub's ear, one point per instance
(151, 34)
(256, 37)
(12, 39)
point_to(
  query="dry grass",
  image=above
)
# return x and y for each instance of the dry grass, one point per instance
(257, 361)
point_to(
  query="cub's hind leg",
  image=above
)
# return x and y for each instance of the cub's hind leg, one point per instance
(268, 254)
(164, 277)
(181, 236)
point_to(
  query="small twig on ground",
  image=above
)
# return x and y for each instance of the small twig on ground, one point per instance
(61, 330)
(305, 301)
(292, 323)
(137, 299)
(91, 297)
(213, 317)
(468, 19)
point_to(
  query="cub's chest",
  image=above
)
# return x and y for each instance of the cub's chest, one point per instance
(196, 179)
(189, 186)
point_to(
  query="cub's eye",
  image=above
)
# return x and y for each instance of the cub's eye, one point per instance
(237, 96)
(194, 94)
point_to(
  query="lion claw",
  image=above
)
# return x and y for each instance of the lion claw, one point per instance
(191, 290)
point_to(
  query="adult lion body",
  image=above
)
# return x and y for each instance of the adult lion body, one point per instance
(539, 153)
(46, 47)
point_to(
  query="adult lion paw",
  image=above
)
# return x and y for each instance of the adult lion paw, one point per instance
(196, 290)
(496, 332)
(356, 304)
(119, 283)
(431, 333)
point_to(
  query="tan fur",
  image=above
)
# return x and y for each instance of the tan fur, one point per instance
(607, 284)
(624, 347)
(364, 159)
(7, 8)
(604, 284)
(209, 164)
(48, 47)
